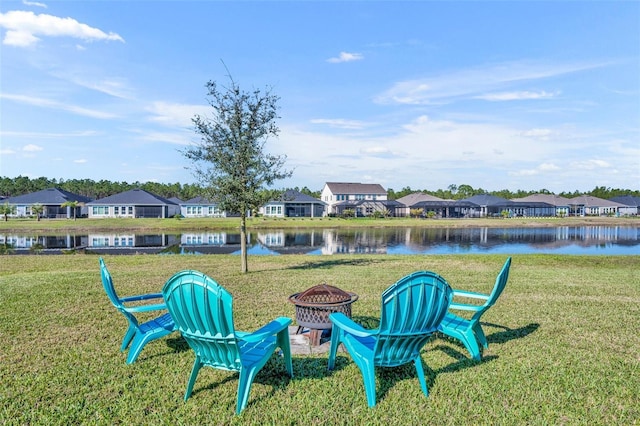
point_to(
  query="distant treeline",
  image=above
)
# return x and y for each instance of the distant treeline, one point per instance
(11, 187)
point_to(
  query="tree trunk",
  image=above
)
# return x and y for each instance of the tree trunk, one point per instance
(243, 242)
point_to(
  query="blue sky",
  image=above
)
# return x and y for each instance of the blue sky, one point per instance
(424, 94)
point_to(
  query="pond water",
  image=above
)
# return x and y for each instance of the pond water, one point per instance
(589, 240)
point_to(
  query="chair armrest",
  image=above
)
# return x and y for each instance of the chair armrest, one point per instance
(146, 308)
(472, 294)
(274, 327)
(465, 307)
(141, 297)
(345, 323)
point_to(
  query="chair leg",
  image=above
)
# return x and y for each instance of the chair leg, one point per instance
(477, 329)
(369, 376)
(285, 345)
(420, 372)
(333, 349)
(244, 387)
(128, 337)
(192, 379)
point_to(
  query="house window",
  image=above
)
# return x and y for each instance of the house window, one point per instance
(100, 210)
(116, 210)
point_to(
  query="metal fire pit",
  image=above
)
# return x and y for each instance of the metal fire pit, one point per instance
(314, 305)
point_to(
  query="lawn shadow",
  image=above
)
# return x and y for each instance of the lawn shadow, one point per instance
(498, 337)
(327, 264)
(178, 344)
(510, 333)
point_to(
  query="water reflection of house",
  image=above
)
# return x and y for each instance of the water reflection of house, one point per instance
(121, 240)
(203, 238)
(44, 242)
(359, 241)
(291, 243)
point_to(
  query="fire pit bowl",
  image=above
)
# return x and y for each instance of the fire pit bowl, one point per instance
(314, 305)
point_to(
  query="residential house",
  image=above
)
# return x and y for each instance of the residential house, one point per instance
(363, 198)
(560, 204)
(201, 207)
(51, 200)
(628, 200)
(294, 204)
(136, 203)
(586, 205)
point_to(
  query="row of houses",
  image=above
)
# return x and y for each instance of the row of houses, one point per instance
(336, 199)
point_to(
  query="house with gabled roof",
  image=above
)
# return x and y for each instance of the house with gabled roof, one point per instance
(363, 198)
(628, 200)
(293, 203)
(560, 204)
(51, 200)
(136, 203)
(586, 205)
(201, 207)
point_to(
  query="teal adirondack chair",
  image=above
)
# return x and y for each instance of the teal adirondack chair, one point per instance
(468, 330)
(138, 335)
(411, 310)
(203, 312)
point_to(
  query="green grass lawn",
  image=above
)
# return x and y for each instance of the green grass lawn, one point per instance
(564, 344)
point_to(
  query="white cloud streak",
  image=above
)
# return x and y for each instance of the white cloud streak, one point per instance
(346, 57)
(25, 28)
(47, 103)
(516, 96)
(477, 82)
(340, 123)
(33, 3)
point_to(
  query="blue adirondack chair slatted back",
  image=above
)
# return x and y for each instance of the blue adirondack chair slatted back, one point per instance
(411, 310)
(203, 313)
(498, 287)
(107, 283)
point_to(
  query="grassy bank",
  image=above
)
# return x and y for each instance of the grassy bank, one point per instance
(564, 344)
(172, 224)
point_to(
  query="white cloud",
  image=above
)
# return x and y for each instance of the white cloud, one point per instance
(173, 114)
(590, 164)
(542, 134)
(80, 161)
(7, 151)
(340, 123)
(474, 82)
(32, 148)
(346, 57)
(33, 3)
(23, 29)
(47, 103)
(516, 96)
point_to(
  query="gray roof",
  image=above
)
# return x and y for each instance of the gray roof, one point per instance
(627, 200)
(199, 200)
(589, 201)
(554, 200)
(293, 196)
(51, 196)
(138, 197)
(416, 197)
(488, 200)
(356, 188)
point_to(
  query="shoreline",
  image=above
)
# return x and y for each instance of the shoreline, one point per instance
(171, 224)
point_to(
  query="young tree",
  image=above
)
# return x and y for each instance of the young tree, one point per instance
(230, 160)
(73, 205)
(37, 210)
(6, 209)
